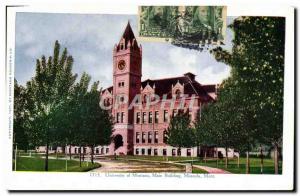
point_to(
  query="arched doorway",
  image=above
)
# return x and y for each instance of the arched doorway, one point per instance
(118, 140)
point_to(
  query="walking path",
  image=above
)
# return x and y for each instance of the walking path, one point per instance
(139, 165)
(135, 166)
(212, 170)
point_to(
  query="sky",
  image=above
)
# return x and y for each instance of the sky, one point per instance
(90, 39)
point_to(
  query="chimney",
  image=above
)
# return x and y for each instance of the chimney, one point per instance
(190, 75)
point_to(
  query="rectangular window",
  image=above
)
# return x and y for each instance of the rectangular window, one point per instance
(165, 136)
(107, 150)
(166, 117)
(149, 137)
(150, 117)
(149, 151)
(143, 151)
(121, 84)
(165, 152)
(174, 113)
(188, 152)
(143, 137)
(156, 137)
(155, 151)
(137, 137)
(156, 116)
(173, 152)
(144, 118)
(122, 117)
(118, 117)
(138, 118)
(137, 151)
(178, 152)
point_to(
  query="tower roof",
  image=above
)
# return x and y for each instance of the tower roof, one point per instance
(128, 39)
(128, 34)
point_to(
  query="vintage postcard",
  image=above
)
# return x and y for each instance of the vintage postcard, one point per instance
(150, 97)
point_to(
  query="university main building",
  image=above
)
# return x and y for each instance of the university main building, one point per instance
(142, 109)
(140, 128)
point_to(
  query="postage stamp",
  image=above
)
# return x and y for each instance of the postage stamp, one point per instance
(183, 25)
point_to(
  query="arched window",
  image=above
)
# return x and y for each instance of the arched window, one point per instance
(145, 98)
(178, 93)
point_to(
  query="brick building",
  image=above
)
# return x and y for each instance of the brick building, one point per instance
(144, 108)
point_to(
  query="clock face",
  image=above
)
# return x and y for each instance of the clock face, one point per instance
(121, 64)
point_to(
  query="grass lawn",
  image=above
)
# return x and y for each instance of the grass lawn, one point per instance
(55, 165)
(34, 154)
(233, 167)
(198, 171)
(232, 164)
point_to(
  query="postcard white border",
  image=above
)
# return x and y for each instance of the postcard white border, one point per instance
(83, 181)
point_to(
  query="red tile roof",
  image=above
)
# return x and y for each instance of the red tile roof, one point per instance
(164, 86)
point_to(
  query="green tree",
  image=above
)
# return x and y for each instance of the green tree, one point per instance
(20, 114)
(49, 89)
(203, 128)
(180, 132)
(257, 61)
(98, 123)
(79, 111)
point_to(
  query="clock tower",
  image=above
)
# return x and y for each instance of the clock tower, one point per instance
(127, 73)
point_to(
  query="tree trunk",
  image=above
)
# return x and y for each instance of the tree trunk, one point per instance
(83, 153)
(56, 153)
(92, 154)
(226, 158)
(239, 160)
(205, 154)
(70, 152)
(217, 158)
(261, 160)
(46, 159)
(63, 149)
(247, 163)
(276, 159)
(80, 156)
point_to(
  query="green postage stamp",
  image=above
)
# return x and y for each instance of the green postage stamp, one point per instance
(187, 26)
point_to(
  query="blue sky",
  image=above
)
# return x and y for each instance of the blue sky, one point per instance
(90, 39)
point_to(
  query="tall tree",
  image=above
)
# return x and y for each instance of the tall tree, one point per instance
(203, 128)
(20, 117)
(257, 59)
(50, 88)
(97, 121)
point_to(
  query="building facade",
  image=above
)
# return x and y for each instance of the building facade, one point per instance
(142, 109)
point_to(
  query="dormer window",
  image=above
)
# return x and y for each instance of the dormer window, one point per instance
(177, 93)
(106, 102)
(145, 98)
